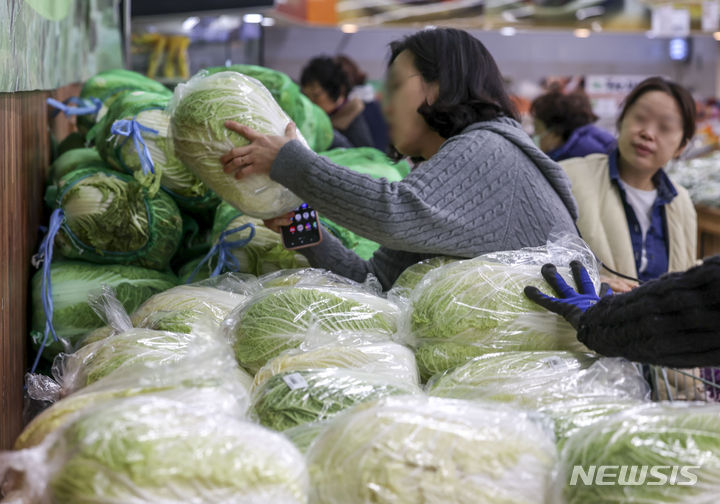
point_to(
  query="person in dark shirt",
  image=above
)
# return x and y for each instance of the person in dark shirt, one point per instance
(564, 126)
(325, 83)
(670, 321)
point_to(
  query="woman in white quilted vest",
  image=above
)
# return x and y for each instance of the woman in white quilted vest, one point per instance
(634, 218)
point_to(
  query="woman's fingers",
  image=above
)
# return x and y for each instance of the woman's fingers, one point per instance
(276, 222)
(245, 131)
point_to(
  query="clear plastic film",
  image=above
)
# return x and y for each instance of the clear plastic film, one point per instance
(212, 381)
(278, 319)
(480, 302)
(150, 449)
(180, 308)
(659, 453)
(317, 277)
(534, 379)
(411, 276)
(406, 450)
(293, 398)
(387, 359)
(199, 109)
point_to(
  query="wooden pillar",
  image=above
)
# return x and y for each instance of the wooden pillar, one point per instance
(24, 161)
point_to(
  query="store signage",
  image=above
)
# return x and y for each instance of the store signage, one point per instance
(710, 16)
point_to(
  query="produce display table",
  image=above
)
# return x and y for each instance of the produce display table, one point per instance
(708, 223)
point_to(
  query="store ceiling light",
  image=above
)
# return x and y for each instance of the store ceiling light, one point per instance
(582, 33)
(190, 23)
(508, 31)
(716, 36)
(268, 21)
(252, 18)
(349, 28)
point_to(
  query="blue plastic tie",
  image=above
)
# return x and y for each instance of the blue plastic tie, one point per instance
(132, 129)
(223, 249)
(81, 106)
(44, 256)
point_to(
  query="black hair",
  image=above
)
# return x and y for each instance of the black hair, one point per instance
(329, 74)
(682, 97)
(470, 85)
(563, 113)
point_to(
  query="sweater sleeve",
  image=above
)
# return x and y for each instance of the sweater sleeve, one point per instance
(672, 321)
(331, 254)
(456, 203)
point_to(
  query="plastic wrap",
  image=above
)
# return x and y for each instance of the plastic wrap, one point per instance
(412, 275)
(180, 308)
(533, 379)
(111, 219)
(72, 282)
(123, 353)
(436, 358)
(154, 449)
(278, 319)
(660, 453)
(264, 253)
(199, 110)
(390, 360)
(481, 301)
(212, 381)
(311, 120)
(700, 176)
(297, 397)
(317, 277)
(407, 450)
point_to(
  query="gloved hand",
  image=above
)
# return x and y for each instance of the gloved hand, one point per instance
(570, 304)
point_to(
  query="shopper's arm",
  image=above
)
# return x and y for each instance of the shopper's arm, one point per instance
(439, 203)
(673, 321)
(331, 254)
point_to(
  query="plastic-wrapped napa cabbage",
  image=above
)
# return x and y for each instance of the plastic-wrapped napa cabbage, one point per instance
(412, 449)
(199, 110)
(150, 449)
(281, 318)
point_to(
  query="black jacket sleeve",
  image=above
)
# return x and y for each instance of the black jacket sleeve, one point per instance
(672, 321)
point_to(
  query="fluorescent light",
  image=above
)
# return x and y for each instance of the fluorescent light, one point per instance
(716, 36)
(508, 31)
(268, 21)
(582, 33)
(349, 28)
(190, 23)
(252, 18)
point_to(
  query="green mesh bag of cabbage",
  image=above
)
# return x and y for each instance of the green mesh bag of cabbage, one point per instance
(72, 281)
(138, 119)
(105, 86)
(311, 120)
(111, 219)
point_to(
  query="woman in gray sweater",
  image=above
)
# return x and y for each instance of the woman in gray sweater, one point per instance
(481, 186)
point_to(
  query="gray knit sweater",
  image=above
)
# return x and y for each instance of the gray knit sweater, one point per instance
(487, 189)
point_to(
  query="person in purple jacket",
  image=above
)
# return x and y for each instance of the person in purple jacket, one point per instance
(564, 126)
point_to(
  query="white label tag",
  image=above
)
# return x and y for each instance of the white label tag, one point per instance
(295, 381)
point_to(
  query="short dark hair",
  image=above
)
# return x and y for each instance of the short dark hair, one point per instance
(329, 74)
(471, 88)
(356, 77)
(682, 97)
(563, 113)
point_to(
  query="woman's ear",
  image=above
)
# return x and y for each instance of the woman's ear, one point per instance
(432, 91)
(680, 150)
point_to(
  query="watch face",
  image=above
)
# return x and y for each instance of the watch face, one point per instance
(304, 229)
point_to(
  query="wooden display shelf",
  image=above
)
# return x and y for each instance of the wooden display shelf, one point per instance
(24, 162)
(708, 220)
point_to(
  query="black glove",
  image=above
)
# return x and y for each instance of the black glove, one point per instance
(570, 304)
